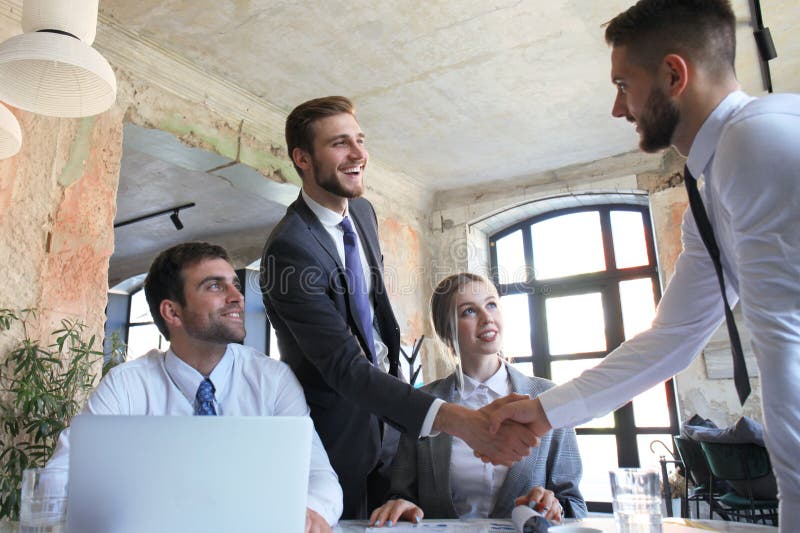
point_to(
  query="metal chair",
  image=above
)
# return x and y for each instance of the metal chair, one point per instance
(744, 463)
(696, 470)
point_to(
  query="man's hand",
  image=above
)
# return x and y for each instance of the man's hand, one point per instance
(529, 412)
(391, 512)
(510, 442)
(315, 523)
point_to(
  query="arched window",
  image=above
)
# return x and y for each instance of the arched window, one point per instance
(574, 284)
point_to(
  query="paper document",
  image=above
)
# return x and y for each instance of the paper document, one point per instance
(478, 526)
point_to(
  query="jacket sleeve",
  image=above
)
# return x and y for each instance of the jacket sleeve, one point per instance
(564, 469)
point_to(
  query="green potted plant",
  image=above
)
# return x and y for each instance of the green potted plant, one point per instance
(41, 389)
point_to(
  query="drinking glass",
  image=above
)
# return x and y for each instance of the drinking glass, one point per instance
(636, 500)
(43, 502)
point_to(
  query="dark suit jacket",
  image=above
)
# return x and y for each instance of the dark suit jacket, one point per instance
(421, 469)
(313, 313)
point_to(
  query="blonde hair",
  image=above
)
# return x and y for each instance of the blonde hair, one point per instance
(444, 315)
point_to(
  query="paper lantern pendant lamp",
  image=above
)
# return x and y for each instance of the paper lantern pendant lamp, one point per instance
(51, 69)
(10, 133)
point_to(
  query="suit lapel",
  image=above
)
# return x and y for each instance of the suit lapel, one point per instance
(315, 228)
(441, 448)
(520, 473)
(324, 239)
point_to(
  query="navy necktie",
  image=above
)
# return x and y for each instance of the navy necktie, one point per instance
(740, 378)
(357, 284)
(205, 399)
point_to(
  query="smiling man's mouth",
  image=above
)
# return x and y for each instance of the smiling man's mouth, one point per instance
(352, 169)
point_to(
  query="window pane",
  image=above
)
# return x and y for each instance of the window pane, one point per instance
(525, 367)
(575, 324)
(638, 305)
(567, 245)
(516, 325)
(142, 339)
(511, 259)
(599, 455)
(630, 247)
(648, 459)
(650, 408)
(140, 312)
(563, 371)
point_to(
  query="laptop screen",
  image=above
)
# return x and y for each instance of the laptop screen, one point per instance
(134, 474)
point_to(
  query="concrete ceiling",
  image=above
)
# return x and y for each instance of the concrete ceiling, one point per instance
(235, 206)
(450, 92)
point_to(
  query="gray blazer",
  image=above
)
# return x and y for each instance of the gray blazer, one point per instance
(421, 469)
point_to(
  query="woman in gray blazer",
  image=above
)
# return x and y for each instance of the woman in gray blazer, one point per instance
(439, 477)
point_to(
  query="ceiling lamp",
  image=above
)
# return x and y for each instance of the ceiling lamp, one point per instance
(51, 69)
(10, 133)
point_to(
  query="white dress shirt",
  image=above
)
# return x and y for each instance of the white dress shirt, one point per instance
(475, 483)
(748, 153)
(247, 383)
(330, 220)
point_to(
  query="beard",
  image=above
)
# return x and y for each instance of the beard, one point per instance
(215, 331)
(657, 123)
(331, 183)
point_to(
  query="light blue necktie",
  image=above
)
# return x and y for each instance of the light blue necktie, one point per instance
(204, 399)
(358, 285)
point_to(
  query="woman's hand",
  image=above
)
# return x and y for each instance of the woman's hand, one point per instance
(393, 511)
(542, 501)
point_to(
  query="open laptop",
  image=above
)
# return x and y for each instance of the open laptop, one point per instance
(176, 474)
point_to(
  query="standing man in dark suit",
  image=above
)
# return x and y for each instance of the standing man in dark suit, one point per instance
(324, 293)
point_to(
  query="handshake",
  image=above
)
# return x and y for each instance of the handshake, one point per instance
(502, 432)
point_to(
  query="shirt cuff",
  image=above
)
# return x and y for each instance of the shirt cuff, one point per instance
(564, 406)
(427, 424)
(324, 509)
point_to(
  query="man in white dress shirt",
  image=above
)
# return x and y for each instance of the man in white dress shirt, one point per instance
(673, 65)
(196, 301)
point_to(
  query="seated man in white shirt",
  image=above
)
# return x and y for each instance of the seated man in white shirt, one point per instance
(195, 299)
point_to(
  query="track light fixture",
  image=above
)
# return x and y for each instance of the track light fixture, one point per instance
(176, 221)
(173, 216)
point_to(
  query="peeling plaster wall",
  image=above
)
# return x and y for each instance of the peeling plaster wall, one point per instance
(459, 245)
(57, 203)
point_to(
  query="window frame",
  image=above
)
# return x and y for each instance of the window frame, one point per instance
(607, 283)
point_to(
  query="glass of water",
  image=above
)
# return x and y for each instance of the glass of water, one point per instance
(43, 502)
(637, 502)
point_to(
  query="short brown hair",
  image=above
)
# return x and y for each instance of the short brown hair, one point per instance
(165, 279)
(443, 305)
(701, 30)
(300, 122)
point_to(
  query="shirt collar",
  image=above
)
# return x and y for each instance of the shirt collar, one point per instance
(187, 379)
(705, 142)
(498, 383)
(327, 217)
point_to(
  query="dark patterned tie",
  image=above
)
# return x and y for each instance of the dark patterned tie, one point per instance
(740, 378)
(205, 399)
(357, 284)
